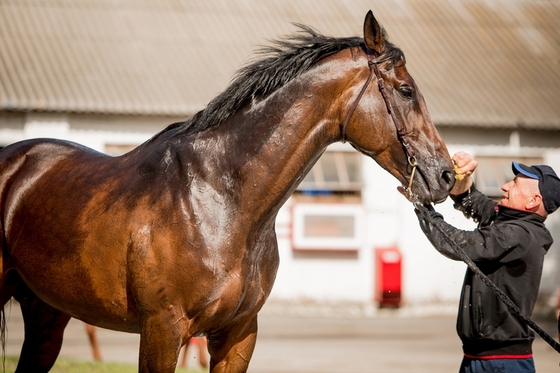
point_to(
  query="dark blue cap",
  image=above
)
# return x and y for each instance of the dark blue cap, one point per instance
(549, 183)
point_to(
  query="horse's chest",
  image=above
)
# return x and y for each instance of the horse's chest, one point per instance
(244, 289)
(239, 291)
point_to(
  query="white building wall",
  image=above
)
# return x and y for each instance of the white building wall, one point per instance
(94, 132)
(319, 276)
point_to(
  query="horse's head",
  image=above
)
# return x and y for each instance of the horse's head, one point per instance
(392, 108)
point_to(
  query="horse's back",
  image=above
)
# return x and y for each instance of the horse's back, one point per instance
(37, 153)
(40, 148)
(31, 170)
(23, 164)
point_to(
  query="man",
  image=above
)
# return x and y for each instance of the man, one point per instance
(509, 247)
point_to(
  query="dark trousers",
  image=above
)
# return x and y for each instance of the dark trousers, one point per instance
(497, 366)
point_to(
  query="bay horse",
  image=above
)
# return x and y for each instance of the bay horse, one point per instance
(176, 238)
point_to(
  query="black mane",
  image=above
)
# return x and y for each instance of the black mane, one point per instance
(283, 61)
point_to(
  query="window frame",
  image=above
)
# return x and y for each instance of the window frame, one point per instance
(352, 242)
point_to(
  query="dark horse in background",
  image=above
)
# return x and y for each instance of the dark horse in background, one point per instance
(176, 238)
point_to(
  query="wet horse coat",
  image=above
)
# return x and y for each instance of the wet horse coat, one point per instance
(176, 238)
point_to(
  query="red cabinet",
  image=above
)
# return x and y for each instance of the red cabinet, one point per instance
(388, 277)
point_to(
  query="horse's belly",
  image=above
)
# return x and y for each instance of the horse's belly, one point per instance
(87, 287)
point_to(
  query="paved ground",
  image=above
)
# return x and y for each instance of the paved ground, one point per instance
(388, 341)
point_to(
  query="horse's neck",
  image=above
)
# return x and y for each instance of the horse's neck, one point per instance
(279, 141)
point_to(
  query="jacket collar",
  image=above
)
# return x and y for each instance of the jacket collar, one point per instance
(507, 213)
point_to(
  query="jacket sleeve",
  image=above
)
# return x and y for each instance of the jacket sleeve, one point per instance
(505, 243)
(475, 205)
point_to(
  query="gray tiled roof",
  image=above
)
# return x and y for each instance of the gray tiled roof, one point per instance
(477, 62)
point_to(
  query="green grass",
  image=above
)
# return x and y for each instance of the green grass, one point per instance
(71, 366)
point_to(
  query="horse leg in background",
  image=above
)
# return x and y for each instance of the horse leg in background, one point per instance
(44, 329)
(202, 348)
(7, 289)
(183, 355)
(231, 351)
(92, 336)
(201, 345)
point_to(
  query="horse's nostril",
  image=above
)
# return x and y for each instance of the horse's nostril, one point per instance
(448, 177)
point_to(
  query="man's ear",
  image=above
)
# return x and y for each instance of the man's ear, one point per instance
(534, 203)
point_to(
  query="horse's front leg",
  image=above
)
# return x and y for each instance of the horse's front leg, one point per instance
(160, 343)
(231, 351)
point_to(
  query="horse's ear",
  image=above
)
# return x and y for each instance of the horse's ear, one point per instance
(373, 34)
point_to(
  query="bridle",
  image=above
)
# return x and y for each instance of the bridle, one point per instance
(373, 69)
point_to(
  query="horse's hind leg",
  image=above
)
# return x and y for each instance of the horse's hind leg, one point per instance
(44, 329)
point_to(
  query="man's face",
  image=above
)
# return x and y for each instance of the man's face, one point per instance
(519, 192)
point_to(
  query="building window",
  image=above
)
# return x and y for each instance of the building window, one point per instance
(493, 172)
(334, 173)
(327, 227)
(327, 215)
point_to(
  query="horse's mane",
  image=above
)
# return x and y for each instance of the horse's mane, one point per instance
(281, 62)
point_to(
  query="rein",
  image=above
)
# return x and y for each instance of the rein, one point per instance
(401, 136)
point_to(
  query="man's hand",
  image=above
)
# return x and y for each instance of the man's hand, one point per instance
(427, 212)
(426, 217)
(465, 164)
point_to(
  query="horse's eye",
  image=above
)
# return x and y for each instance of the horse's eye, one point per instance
(406, 91)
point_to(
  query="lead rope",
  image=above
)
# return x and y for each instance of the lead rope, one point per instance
(499, 293)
